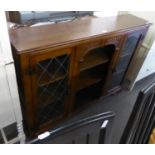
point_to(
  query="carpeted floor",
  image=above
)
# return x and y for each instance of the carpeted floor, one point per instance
(121, 103)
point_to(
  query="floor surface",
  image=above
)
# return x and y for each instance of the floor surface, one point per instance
(121, 104)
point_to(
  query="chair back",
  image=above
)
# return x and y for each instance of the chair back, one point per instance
(92, 130)
(142, 119)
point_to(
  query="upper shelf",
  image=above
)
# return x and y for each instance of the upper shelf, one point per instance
(88, 78)
(36, 38)
(94, 59)
(46, 80)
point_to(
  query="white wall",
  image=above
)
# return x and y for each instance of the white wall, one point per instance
(106, 13)
(6, 112)
(6, 107)
(148, 65)
(4, 39)
(9, 99)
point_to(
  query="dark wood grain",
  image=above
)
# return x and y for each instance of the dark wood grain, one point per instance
(94, 47)
(87, 79)
(94, 59)
(52, 35)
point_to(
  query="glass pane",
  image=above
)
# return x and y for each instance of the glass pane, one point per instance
(52, 77)
(130, 44)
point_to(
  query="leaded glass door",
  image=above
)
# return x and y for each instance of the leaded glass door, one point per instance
(50, 86)
(128, 50)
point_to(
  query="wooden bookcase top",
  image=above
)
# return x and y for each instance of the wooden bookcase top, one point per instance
(28, 39)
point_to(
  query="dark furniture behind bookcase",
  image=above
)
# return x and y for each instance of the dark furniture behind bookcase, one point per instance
(142, 119)
(62, 67)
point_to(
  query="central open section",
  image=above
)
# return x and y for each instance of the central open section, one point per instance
(93, 70)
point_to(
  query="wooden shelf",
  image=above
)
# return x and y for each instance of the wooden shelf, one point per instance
(46, 80)
(96, 58)
(83, 101)
(87, 79)
(49, 98)
(87, 95)
(44, 97)
(50, 111)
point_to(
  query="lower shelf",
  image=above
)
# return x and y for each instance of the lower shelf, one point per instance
(85, 81)
(91, 76)
(88, 94)
(51, 111)
(51, 101)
